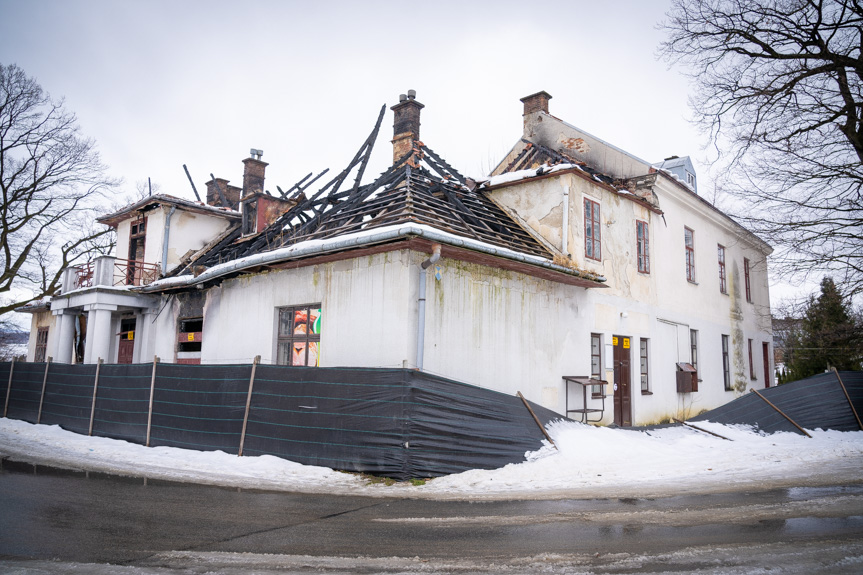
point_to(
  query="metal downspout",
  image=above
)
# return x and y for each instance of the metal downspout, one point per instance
(565, 231)
(165, 241)
(421, 320)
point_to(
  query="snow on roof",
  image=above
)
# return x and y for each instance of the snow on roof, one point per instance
(113, 218)
(362, 238)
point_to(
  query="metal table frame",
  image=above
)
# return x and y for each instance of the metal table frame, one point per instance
(585, 382)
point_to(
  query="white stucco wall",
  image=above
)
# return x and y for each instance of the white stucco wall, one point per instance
(189, 231)
(368, 316)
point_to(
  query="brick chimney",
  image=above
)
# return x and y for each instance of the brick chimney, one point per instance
(406, 124)
(231, 193)
(536, 103)
(253, 173)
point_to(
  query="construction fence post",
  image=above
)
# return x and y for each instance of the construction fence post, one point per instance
(150, 409)
(44, 383)
(248, 404)
(95, 387)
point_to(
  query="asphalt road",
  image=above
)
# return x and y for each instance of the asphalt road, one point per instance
(73, 517)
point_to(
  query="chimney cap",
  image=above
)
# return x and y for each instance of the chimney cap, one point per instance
(540, 93)
(412, 94)
(402, 97)
(256, 153)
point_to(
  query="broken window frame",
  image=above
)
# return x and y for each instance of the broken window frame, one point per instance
(746, 279)
(41, 351)
(726, 365)
(642, 240)
(689, 245)
(644, 365)
(592, 231)
(596, 363)
(723, 278)
(285, 342)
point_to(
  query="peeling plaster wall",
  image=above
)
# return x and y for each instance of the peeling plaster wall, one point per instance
(661, 306)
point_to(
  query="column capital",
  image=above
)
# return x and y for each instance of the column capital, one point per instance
(100, 307)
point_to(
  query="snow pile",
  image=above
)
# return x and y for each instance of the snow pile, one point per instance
(588, 462)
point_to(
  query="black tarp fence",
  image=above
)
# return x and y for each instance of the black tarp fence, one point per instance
(394, 422)
(817, 402)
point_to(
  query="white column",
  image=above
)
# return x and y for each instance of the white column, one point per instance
(62, 352)
(144, 346)
(99, 332)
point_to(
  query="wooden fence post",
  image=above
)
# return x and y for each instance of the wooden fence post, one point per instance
(152, 389)
(9, 388)
(248, 404)
(536, 419)
(95, 387)
(803, 431)
(44, 382)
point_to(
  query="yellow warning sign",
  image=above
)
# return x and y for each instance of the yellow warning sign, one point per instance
(131, 335)
(613, 341)
(191, 337)
(626, 343)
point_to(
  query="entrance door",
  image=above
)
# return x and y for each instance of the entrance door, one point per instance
(768, 377)
(127, 341)
(622, 381)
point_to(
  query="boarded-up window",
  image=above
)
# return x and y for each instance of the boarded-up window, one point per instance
(190, 339)
(41, 344)
(299, 341)
(592, 232)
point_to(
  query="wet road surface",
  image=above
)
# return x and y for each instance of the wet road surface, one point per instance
(94, 518)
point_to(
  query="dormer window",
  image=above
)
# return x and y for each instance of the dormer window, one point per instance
(690, 179)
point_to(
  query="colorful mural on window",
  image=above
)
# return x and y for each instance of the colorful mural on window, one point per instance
(300, 335)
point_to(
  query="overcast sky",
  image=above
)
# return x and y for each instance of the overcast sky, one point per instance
(159, 84)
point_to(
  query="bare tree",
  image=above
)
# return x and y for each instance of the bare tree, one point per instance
(778, 90)
(50, 178)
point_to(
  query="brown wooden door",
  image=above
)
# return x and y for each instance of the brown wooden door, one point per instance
(127, 341)
(622, 381)
(768, 377)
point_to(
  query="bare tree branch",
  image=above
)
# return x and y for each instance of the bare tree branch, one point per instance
(50, 179)
(779, 90)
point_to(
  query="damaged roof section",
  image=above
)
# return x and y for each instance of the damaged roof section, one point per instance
(419, 188)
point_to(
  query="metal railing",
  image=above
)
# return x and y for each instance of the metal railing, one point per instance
(125, 272)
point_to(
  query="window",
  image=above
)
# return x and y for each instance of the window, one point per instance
(592, 233)
(645, 384)
(41, 344)
(643, 247)
(596, 362)
(693, 345)
(137, 244)
(689, 240)
(723, 285)
(746, 278)
(751, 365)
(726, 367)
(299, 335)
(690, 179)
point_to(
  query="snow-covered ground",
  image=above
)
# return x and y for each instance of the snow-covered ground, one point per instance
(588, 462)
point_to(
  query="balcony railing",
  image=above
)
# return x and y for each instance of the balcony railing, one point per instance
(124, 272)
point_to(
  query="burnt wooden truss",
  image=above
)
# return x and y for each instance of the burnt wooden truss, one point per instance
(534, 155)
(418, 188)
